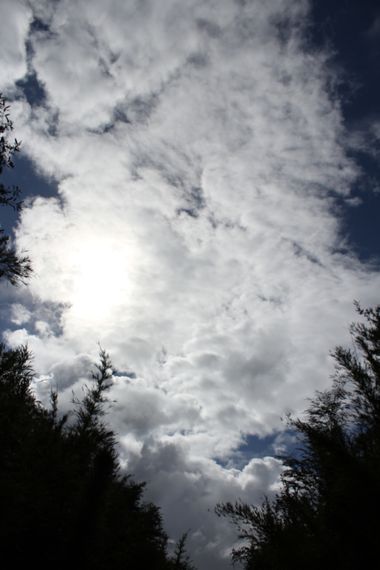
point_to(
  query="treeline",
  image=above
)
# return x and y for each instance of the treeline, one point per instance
(64, 500)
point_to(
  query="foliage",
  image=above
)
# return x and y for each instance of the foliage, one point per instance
(14, 268)
(63, 498)
(181, 560)
(326, 514)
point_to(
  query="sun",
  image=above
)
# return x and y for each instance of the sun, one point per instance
(100, 278)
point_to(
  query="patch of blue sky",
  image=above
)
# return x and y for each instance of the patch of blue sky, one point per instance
(277, 444)
(31, 185)
(348, 28)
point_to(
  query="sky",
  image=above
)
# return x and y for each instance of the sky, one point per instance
(201, 189)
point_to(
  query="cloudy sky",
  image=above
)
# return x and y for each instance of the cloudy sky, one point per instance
(201, 198)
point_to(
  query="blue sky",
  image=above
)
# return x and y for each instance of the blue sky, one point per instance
(201, 197)
(350, 27)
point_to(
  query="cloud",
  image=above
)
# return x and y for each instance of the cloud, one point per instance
(199, 152)
(196, 486)
(20, 314)
(15, 18)
(374, 29)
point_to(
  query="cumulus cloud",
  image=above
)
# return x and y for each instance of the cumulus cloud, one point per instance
(196, 486)
(199, 149)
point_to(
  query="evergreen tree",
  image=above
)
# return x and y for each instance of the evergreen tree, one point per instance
(326, 514)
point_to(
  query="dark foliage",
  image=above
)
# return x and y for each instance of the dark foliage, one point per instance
(64, 501)
(14, 268)
(181, 560)
(326, 515)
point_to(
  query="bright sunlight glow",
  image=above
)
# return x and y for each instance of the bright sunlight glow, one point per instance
(101, 278)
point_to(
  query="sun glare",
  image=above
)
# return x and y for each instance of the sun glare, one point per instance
(101, 279)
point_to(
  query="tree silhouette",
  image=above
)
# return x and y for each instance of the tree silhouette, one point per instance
(64, 500)
(326, 514)
(181, 560)
(14, 268)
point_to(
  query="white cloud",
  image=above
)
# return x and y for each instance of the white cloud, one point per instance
(20, 314)
(198, 150)
(15, 18)
(196, 486)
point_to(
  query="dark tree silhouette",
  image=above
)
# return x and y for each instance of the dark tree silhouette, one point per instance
(327, 513)
(181, 560)
(64, 501)
(14, 268)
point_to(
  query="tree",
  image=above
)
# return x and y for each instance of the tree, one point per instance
(326, 514)
(64, 500)
(13, 267)
(181, 560)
